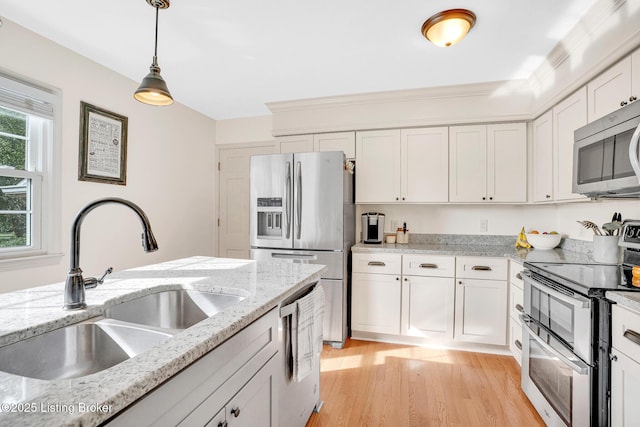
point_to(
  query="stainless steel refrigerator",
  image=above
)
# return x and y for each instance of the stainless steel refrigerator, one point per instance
(302, 210)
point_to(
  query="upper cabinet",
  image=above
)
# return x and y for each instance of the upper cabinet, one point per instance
(396, 166)
(568, 116)
(336, 141)
(542, 161)
(614, 88)
(378, 166)
(294, 144)
(487, 163)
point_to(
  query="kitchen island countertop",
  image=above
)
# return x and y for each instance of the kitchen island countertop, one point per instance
(93, 399)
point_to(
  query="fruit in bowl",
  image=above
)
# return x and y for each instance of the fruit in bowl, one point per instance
(545, 240)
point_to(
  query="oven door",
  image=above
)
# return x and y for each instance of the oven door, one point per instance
(563, 312)
(556, 381)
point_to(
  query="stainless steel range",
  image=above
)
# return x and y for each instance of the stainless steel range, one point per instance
(567, 335)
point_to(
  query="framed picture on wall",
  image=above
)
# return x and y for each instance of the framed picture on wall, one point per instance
(103, 146)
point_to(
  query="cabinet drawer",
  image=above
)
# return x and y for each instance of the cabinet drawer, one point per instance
(516, 301)
(481, 268)
(515, 339)
(380, 263)
(515, 270)
(625, 331)
(429, 265)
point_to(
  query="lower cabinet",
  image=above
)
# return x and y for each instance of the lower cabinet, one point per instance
(516, 308)
(481, 311)
(375, 303)
(625, 389)
(233, 385)
(435, 297)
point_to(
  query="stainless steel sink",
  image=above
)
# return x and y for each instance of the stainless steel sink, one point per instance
(76, 350)
(177, 309)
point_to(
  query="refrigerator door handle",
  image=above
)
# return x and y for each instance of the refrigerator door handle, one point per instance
(298, 200)
(287, 200)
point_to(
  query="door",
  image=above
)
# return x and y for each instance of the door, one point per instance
(271, 201)
(481, 311)
(468, 163)
(425, 165)
(318, 200)
(568, 116)
(255, 405)
(427, 307)
(543, 158)
(607, 91)
(294, 144)
(625, 386)
(233, 199)
(378, 166)
(375, 303)
(336, 141)
(507, 162)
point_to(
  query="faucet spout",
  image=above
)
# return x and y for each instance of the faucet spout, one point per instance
(74, 296)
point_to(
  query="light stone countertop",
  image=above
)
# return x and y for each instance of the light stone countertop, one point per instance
(630, 300)
(30, 312)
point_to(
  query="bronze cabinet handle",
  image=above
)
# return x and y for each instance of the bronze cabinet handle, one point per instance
(632, 336)
(481, 268)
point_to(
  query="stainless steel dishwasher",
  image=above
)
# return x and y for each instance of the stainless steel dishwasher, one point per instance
(297, 399)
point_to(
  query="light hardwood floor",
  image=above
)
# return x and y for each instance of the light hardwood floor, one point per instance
(377, 384)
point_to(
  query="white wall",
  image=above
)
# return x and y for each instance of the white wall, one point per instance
(170, 167)
(244, 130)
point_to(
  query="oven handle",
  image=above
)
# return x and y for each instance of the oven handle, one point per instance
(576, 300)
(577, 365)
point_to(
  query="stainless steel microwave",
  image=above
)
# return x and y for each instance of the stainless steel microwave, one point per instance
(605, 155)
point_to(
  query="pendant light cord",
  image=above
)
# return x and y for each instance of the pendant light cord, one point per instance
(155, 50)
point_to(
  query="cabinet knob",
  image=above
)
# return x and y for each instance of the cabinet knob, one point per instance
(236, 411)
(459, 282)
(406, 280)
(397, 278)
(548, 196)
(484, 198)
(403, 198)
(632, 98)
(397, 198)
(223, 423)
(491, 198)
(614, 358)
(623, 103)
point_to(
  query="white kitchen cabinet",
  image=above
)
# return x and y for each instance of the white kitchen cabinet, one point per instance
(625, 367)
(376, 293)
(487, 163)
(424, 165)
(568, 115)
(294, 144)
(615, 87)
(428, 294)
(481, 300)
(516, 307)
(402, 166)
(542, 164)
(336, 141)
(378, 167)
(240, 373)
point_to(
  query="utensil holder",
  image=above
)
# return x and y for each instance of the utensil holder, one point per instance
(606, 249)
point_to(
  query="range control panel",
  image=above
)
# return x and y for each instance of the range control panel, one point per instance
(630, 237)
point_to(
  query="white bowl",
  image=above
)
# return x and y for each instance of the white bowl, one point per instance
(544, 241)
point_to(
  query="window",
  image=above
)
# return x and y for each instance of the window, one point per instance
(29, 194)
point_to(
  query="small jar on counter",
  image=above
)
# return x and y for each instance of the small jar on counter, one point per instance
(402, 236)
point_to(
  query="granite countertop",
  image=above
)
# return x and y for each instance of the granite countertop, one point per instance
(474, 248)
(92, 399)
(630, 300)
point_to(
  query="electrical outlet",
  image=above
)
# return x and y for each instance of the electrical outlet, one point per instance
(484, 225)
(394, 225)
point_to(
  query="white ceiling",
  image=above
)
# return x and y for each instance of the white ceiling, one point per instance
(227, 58)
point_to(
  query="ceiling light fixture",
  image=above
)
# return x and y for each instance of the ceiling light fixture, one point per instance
(448, 27)
(153, 90)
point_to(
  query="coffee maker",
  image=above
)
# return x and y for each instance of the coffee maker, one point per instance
(372, 227)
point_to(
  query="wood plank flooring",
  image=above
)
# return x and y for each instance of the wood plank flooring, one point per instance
(377, 384)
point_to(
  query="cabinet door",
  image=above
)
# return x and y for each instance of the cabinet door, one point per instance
(294, 144)
(468, 163)
(255, 404)
(481, 311)
(219, 420)
(609, 89)
(375, 303)
(543, 158)
(515, 339)
(337, 141)
(625, 388)
(378, 168)
(425, 165)
(568, 116)
(507, 162)
(427, 307)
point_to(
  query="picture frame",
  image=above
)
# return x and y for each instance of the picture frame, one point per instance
(103, 146)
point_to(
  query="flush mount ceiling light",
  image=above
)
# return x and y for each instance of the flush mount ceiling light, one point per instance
(153, 90)
(448, 27)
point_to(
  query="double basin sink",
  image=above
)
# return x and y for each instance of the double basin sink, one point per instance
(127, 329)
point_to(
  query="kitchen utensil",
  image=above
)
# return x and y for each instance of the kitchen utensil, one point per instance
(591, 226)
(611, 228)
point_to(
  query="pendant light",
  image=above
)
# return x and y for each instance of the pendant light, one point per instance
(448, 27)
(153, 90)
